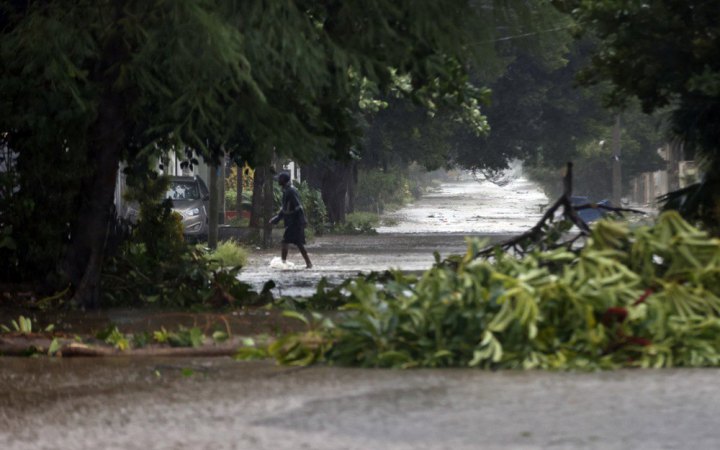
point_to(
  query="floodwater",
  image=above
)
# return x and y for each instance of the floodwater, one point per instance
(438, 222)
(473, 207)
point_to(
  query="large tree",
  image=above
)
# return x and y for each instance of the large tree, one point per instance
(85, 85)
(438, 134)
(541, 117)
(666, 53)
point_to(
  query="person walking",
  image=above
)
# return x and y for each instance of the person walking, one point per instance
(293, 214)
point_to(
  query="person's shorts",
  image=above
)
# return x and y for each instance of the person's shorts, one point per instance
(294, 234)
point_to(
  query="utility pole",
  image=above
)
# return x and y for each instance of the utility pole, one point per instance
(267, 206)
(214, 207)
(616, 165)
(239, 188)
(222, 174)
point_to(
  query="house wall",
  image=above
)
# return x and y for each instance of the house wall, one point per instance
(648, 186)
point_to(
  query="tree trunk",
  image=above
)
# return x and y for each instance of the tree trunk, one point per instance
(221, 189)
(617, 184)
(213, 207)
(673, 165)
(239, 190)
(268, 207)
(256, 208)
(82, 263)
(84, 257)
(352, 187)
(334, 191)
(333, 178)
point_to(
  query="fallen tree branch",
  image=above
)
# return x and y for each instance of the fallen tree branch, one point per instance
(539, 231)
(25, 345)
(87, 350)
(607, 208)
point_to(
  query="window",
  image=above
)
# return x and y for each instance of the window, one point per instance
(183, 190)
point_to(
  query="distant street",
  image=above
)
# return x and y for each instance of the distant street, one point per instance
(440, 221)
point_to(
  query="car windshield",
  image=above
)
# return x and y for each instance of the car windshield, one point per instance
(183, 190)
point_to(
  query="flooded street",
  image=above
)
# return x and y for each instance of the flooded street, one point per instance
(439, 221)
(219, 403)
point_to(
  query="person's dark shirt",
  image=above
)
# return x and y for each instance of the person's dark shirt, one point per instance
(292, 211)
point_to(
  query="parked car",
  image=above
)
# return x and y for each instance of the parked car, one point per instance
(190, 197)
(590, 214)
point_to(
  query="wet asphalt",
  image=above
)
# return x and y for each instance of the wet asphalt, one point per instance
(224, 404)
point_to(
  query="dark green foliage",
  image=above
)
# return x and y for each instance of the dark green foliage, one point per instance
(698, 202)
(186, 337)
(159, 229)
(358, 223)
(133, 278)
(38, 195)
(315, 211)
(648, 297)
(665, 53)
(542, 118)
(231, 200)
(85, 85)
(377, 189)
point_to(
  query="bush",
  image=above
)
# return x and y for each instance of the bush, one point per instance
(135, 278)
(231, 200)
(377, 189)
(159, 228)
(358, 223)
(647, 297)
(157, 267)
(228, 254)
(38, 201)
(314, 207)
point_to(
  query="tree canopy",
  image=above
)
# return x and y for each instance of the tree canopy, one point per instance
(666, 53)
(535, 113)
(86, 85)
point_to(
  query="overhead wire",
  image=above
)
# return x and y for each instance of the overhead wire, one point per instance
(517, 36)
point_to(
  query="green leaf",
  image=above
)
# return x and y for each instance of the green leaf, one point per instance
(54, 347)
(220, 336)
(296, 315)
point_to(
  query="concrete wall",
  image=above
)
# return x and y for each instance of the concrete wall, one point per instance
(646, 187)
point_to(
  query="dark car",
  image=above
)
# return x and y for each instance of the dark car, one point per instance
(190, 196)
(590, 214)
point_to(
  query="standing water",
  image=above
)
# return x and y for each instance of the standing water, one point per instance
(439, 221)
(472, 207)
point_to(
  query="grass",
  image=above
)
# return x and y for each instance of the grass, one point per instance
(361, 218)
(229, 254)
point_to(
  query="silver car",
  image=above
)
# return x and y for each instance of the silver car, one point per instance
(190, 196)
